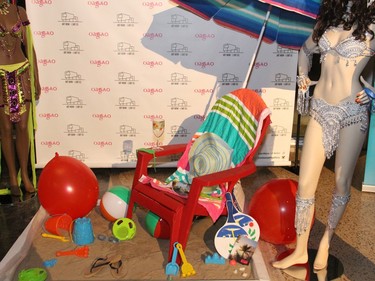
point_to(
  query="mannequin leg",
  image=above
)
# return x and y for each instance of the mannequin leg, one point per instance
(350, 145)
(7, 146)
(312, 161)
(23, 149)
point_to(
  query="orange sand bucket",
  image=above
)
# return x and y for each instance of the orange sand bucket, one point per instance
(58, 224)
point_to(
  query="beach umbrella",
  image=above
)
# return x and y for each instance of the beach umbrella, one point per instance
(286, 22)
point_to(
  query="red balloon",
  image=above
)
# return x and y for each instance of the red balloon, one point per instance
(273, 206)
(66, 185)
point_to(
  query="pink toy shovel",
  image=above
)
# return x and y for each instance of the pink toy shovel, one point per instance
(172, 267)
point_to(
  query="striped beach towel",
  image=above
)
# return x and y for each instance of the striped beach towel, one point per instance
(237, 119)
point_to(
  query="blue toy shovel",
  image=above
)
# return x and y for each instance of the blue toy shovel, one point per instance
(172, 268)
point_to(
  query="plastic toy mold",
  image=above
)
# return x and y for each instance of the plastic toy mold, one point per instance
(214, 259)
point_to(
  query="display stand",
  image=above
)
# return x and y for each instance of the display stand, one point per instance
(369, 178)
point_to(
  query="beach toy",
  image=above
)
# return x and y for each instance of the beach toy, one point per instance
(50, 263)
(273, 207)
(186, 267)
(82, 252)
(67, 186)
(124, 229)
(214, 259)
(58, 224)
(156, 226)
(114, 203)
(82, 231)
(63, 239)
(32, 274)
(172, 268)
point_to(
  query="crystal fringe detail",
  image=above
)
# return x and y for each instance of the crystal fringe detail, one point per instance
(337, 201)
(302, 218)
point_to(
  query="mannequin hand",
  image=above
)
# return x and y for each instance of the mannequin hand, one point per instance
(303, 82)
(366, 84)
(362, 98)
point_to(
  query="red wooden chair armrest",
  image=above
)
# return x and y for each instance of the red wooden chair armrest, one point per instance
(145, 156)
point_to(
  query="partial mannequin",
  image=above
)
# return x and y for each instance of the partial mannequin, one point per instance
(339, 120)
(19, 90)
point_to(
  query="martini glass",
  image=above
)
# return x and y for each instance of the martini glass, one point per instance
(158, 127)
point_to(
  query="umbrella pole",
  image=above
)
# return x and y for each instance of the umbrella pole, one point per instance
(251, 66)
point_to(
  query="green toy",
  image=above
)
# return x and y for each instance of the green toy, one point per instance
(32, 274)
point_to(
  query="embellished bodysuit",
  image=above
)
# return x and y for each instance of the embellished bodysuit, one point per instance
(15, 78)
(332, 118)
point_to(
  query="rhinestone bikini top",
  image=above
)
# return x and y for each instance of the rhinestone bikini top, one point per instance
(348, 49)
(15, 31)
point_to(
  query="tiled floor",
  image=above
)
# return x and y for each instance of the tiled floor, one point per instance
(352, 246)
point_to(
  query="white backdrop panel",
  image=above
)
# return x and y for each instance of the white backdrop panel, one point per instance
(107, 68)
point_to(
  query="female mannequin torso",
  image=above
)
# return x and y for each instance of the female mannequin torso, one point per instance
(339, 74)
(12, 36)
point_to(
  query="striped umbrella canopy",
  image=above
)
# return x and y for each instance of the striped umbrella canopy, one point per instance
(308, 8)
(287, 22)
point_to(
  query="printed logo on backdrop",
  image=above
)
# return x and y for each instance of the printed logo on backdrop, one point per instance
(178, 131)
(199, 117)
(46, 62)
(126, 130)
(283, 79)
(72, 77)
(230, 79)
(126, 103)
(41, 3)
(153, 35)
(49, 89)
(99, 63)
(48, 116)
(97, 4)
(75, 130)
(152, 4)
(278, 131)
(100, 90)
(43, 33)
(101, 116)
(284, 52)
(152, 64)
(79, 155)
(69, 19)
(102, 143)
(98, 34)
(50, 143)
(179, 49)
(153, 91)
(125, 48)
(125, 78)
(71, 48)
(280, 104)
(204, 92)
(178, 79)
(124, 20)
(178, 104)
(73, 102)
(231, 50)
(204, 64)
(179, 21)
(126, 154)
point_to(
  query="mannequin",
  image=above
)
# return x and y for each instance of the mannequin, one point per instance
(17, 99)
(339, 115)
